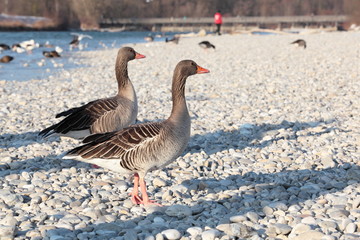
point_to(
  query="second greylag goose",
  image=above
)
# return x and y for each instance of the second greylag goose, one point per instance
(144, 147)
(102, 115)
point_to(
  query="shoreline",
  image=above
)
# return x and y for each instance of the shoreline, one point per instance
(274, 149)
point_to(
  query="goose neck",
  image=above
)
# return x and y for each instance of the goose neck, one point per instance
(179, 109)
(121, 72)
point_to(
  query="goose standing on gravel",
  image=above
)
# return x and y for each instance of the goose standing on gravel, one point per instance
(206, 44)
(144, 147)
(102, 115)
(300, 43)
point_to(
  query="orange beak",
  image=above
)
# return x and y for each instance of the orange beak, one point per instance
(138, 55)
(201, 70)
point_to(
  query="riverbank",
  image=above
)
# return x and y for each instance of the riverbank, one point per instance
(274, 149)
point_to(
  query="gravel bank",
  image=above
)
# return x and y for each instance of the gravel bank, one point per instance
(274, 152)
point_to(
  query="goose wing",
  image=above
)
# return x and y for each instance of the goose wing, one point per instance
(83, 117)
(122, 145)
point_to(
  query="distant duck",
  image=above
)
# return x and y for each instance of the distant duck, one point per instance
(76, 40)
(206, 44)
(175, 40)
(6, 59)
(17, 48)
(51, 54)
(149, 38)
(300, 43)
(4, 46)
(29, 45)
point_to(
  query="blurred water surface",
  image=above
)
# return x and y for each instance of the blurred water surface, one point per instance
(34, 65)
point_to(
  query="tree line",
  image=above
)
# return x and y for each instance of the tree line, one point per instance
(87, 13)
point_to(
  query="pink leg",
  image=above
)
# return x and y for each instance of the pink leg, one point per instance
(146, 200)
(135, 198)
(94, 166)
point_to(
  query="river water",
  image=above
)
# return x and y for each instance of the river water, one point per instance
(34, 65)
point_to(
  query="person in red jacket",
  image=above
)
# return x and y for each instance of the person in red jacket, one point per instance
(218, 21)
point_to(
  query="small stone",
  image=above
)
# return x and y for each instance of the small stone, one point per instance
(350, 228)
(9, 221)
(130, 235)
(159, 236)
(252, 216)
(159, 220)
(12, 199)
(309, 221)
(268, 210)
(237, 218)
(309, 235)
(282, 228)
(339, 214)
(171, 234)
(210, 234)
(234, 229)
(300, 228)
(39, 175)
(327, 224)
(194, 231)
(12, 177)
(7, 231)
(158, 182)
(179, 211)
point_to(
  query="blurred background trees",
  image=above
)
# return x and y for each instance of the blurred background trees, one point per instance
(87, 13)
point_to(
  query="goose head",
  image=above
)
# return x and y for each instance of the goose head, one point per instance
(186, 68)
(129, 54)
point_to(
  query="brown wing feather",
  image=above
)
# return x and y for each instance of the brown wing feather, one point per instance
(83, 117)
(118, 144)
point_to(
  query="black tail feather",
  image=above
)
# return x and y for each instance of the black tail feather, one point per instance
(47, 131)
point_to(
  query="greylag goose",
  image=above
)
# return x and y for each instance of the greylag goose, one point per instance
(300, 43)
(102, 115)
(144, 147)
(206, 44)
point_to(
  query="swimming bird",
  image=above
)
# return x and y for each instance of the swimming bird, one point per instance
(6, 59)
(102, 115)
(174, 39)
(149, 38)
(47, 45)
(51, 54)
(29, 45)
(4, 46)
(144, 147)
(300, 43)
(17, 48)
(206, 44)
